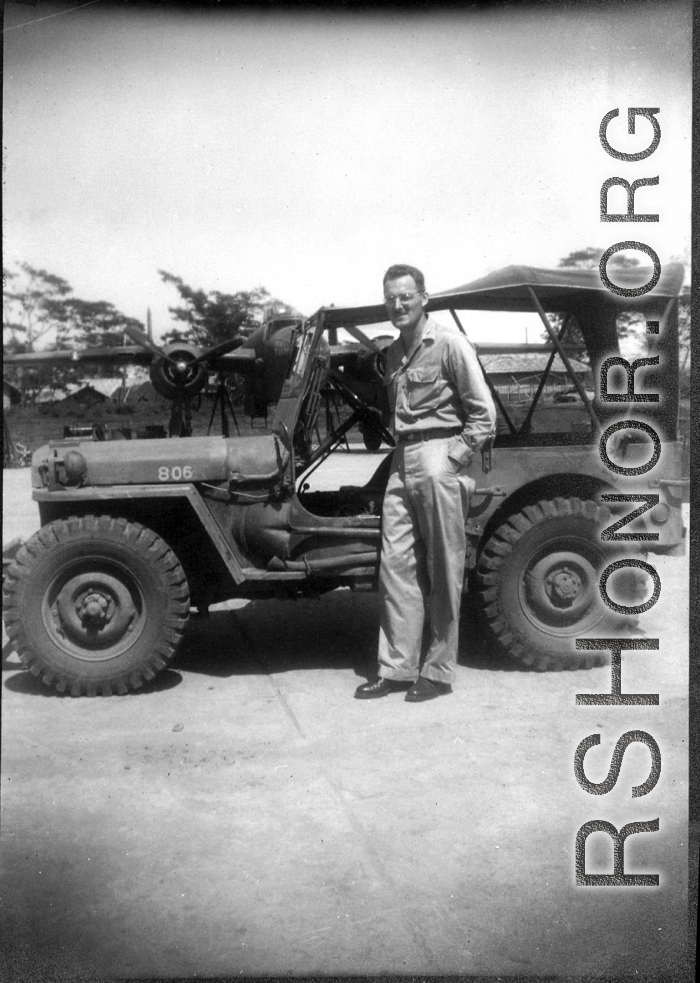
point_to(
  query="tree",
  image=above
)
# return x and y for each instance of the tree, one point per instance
(38, 305)
(589, 259)
(214, 317)
(29, 314)
(92, 323)
(29, 306)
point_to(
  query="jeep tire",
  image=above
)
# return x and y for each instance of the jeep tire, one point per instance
(538, 577)
(95, 605)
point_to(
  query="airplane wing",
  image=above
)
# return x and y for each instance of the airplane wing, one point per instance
(121, 355)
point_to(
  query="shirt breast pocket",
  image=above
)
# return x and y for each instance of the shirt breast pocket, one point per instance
(422, 386)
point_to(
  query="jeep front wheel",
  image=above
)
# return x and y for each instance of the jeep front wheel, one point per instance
(95, 605)
(539, 579)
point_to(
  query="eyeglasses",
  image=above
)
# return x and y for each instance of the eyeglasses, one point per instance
(402, 298)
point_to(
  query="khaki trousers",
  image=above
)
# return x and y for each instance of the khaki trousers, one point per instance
(422, 564)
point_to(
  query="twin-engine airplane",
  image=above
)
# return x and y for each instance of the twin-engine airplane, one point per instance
(258, 364)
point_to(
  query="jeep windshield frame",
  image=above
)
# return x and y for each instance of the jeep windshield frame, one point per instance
(297, 407)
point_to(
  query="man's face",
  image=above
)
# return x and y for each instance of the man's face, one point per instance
(404, 302)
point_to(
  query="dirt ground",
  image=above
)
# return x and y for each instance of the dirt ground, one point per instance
(243, 815)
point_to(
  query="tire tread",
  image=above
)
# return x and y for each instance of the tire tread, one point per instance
(115, 530)
(495, 554)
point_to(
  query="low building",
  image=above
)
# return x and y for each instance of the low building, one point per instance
(86, 392)
(85, 397)
(517, 376)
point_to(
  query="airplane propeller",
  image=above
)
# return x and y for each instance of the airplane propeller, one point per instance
(223, 349)
(144, 341)
(179, 371)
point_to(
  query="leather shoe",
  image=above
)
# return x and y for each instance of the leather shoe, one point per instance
(426, 689)
(380, 687)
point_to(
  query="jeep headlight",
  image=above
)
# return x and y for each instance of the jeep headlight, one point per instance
(75, 467)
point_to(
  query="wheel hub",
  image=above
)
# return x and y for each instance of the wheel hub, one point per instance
(560, 588)
(563, 586)
(94, 610)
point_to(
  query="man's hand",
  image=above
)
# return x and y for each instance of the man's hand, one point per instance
(459, 453)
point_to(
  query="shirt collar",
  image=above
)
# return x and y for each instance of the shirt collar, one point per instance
(427, 335)
(429, 330)
(398, 359)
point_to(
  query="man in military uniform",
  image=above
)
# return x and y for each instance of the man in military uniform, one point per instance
(443, 413)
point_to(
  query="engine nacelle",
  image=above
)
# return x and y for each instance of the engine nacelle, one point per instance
(176, 376)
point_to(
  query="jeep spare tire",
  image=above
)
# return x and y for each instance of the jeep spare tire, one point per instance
(95, 605)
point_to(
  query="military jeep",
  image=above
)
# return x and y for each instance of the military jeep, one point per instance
(134, 534)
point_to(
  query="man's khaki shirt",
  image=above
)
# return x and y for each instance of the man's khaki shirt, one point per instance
(439, 383)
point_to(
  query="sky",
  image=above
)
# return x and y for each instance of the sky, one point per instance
(306, 150)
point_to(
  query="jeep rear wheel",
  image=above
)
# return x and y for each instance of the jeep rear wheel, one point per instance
(539, 582)
(95, 605)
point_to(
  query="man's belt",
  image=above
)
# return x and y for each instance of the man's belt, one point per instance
(436, 433)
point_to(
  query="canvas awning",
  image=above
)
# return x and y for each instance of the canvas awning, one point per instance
(508, 289)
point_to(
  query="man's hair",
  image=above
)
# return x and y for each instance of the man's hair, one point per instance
(401, 269)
